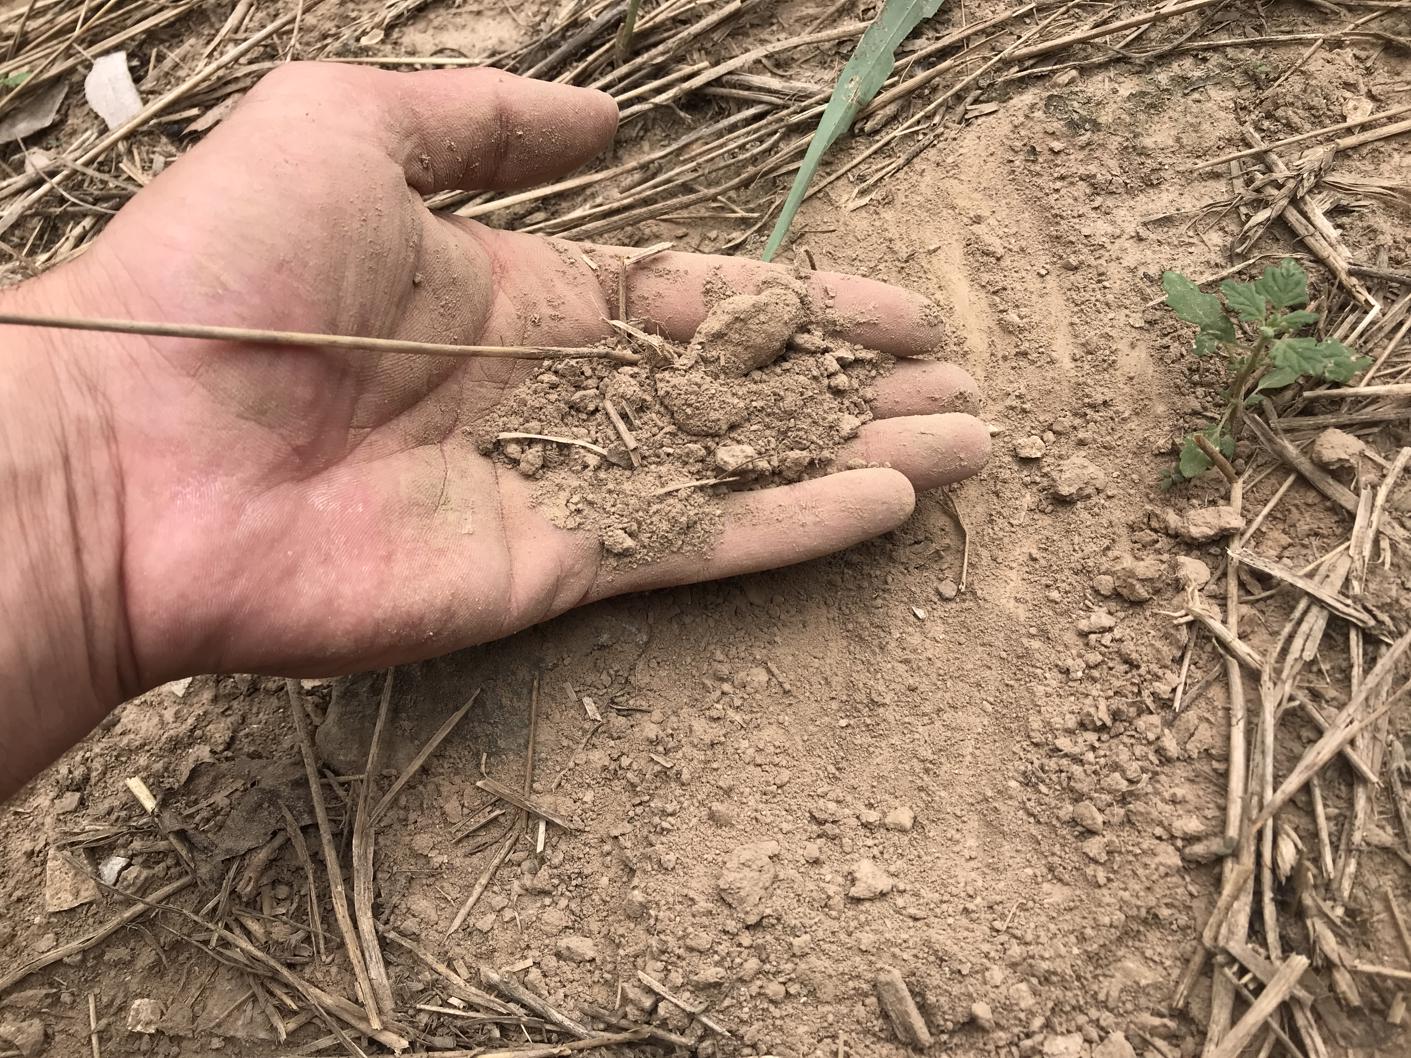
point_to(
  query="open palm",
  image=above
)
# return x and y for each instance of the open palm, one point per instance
(313, 512)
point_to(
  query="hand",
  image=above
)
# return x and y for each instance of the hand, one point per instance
(311, 512)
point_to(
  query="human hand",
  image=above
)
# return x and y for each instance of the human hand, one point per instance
(314, 512)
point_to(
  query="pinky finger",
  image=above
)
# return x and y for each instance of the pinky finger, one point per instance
(781, 526)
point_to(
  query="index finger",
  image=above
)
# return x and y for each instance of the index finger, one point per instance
(674, 291)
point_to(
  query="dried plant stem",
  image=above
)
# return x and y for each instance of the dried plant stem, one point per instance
(364, 846)
(21, 207)
(1304, 137)
(332, 867)
(458, 985)
(348, 342)
(1217, 457)
(1263, 1008)
(1238, 872)
(1391, 389)
(63, 951)
(301, 853)
(1353, 718)
(421, 757)
(501, 854)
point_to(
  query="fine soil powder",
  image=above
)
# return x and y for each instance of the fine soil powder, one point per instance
(642, 454)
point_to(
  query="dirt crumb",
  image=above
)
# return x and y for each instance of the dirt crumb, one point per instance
(643, 455)
(749, 331)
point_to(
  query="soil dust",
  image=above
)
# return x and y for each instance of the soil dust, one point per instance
(760, 396)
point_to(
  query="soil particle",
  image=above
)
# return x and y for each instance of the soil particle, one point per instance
(1086, 815)
(67, 802)
(1208, 850)
(67, 884)
(577, 949)
(1070, 1045)
(1204, 524)
(982, 1016)
(869, 881)
(25, 1036)
(1097, 621)
(1189, 825)
(1030, 448)
(1137, 580)
(721, 815)
(1115, 1046)
(1190, 572)
(896, 1002)
(144, 1015)
(900, 819)
(1334, 449)
(746, 880)
(1078, 478)
(749, 331)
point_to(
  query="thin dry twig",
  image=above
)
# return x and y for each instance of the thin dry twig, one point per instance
(310, 340)
(425, 752)
(364, 846)
(1349, 721)
(332, 868)
(523, 803)
(301, 853)
(77, 947)
(589, 445)
(457, 985)
(1263, 1008)
(697, 1011)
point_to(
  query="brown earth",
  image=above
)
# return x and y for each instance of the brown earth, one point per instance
(947, 751)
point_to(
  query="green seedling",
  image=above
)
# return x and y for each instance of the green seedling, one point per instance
(14, 80)
(865, 73)
(1256, 330)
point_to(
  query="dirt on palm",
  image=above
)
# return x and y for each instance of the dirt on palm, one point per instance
(760, 396)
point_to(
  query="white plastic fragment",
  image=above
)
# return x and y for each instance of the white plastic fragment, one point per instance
(110, 868)
(110, 91)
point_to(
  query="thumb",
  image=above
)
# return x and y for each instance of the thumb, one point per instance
(484, 129)
(473, 129)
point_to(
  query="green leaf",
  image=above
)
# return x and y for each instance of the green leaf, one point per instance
(1193, 462)
(1244, 301)
(1206, 343)
(1276, 378)
(1339, 365)
(1292, 321)
(1328, 359)
(1299, 355)
(1190, 303)
(1284, 284)
(1223, 441)
(14, 80)
(871, 64)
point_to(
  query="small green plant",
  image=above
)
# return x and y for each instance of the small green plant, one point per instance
(14, 80)
(1256, 329)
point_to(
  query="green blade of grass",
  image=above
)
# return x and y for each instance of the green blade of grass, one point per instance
(623, 44)
(864, 74)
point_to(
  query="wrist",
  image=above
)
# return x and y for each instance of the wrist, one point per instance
(66, 658)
